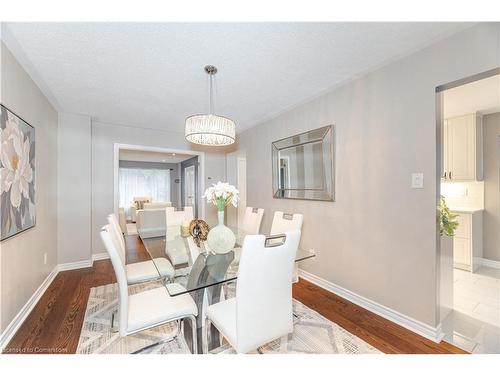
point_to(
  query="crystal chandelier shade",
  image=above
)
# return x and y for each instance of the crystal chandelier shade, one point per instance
(210, 129)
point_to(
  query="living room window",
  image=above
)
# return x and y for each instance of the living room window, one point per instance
(139, 182)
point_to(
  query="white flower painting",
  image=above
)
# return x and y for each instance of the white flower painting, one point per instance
(17, 174)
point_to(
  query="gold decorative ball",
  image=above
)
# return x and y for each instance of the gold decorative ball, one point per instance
(198, 229)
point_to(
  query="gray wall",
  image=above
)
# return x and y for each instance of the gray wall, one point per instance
(379, 238)
(21, 256)
(74, 188)
(105, 135)
(174, 174)
(491, 165)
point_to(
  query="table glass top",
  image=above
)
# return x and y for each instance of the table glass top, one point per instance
(196, 267)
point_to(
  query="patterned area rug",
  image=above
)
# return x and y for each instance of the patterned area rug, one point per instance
(312, 332)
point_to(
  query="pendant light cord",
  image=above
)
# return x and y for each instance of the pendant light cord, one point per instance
(210, 96)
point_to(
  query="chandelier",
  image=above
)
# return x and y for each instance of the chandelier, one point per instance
(210, 129)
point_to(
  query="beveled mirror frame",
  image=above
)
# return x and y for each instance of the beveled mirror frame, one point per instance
(325, 135)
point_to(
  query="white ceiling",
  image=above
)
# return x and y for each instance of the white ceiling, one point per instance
(479, 96)
(150, 156)
(151, 75)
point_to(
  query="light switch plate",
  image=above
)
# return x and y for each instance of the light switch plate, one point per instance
(417, 180)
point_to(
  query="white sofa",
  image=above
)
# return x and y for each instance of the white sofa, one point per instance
(152, 222)
(153, 205)
(138, 204)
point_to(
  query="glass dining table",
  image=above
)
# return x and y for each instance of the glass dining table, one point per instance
(198, 271)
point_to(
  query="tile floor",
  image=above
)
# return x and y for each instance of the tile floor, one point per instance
(474, 325)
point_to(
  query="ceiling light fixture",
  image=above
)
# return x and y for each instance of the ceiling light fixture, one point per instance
(210, 129)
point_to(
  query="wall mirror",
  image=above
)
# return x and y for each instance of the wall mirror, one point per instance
(303, 165)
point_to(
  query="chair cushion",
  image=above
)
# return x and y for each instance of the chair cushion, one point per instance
(152, 307)
(223, 317)
(144, 271)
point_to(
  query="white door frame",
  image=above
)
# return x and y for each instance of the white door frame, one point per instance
(242, 205)
(445, 284)
(186, 186)
(123, 146)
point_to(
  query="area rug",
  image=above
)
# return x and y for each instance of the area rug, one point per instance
(312, 332)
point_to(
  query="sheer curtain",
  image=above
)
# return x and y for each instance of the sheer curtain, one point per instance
(135, 182)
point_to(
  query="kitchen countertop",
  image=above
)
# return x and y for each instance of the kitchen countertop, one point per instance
(468, 210)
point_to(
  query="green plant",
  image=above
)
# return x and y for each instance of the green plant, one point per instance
(447, 220)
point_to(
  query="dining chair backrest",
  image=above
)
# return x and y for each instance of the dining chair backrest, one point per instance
(177, 217)
(118, 263)
(113, 221)
(264, 291)
(285, 222)
(188, 213)
(252, 220)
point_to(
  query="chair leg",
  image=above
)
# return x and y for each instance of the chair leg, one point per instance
(164, 341)
(113, 328)
(194, 331)
(206, 329)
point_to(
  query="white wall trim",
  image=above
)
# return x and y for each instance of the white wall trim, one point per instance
(99, 256)
(21, 316)
(432, 333)
(489, 263)
(74, 265)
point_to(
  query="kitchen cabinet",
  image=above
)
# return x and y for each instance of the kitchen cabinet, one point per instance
(462, 151)
(468, 240)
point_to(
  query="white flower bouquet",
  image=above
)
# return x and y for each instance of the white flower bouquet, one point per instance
(222, 194)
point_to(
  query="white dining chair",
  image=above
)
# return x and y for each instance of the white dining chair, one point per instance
(262, 309)
(252, 220)
(283, 222)
(174, 248)
(177, 217)
(150, 308)
(151, 222)
(115, 223)
(122, 221)
(251, 225)
(140, 272)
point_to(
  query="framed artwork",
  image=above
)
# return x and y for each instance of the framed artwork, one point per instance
(17, 174)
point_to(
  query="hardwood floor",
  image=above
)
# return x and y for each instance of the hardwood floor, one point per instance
(54, 324)
(383, 334)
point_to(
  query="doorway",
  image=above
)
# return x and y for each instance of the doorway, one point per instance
(468, 181)
(158, 158)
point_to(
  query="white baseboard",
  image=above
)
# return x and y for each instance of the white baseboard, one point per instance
(14, 325)
(489, 263)
(100, 256)
(82, 263)
(74, 265)
(432, 333)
